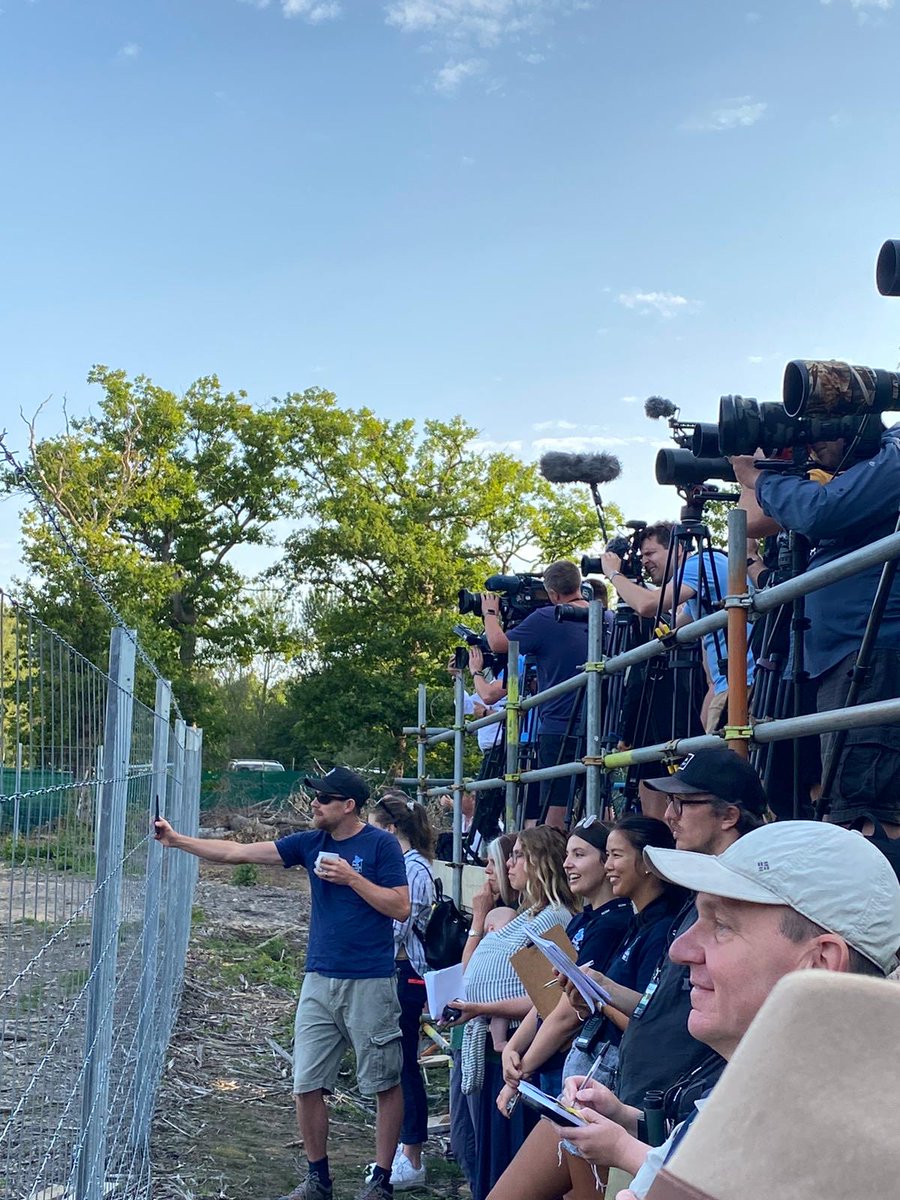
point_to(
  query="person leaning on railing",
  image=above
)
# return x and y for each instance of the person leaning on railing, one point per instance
(847, 510)
(560, 651)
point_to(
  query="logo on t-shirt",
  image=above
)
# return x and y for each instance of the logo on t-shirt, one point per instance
(357, 864)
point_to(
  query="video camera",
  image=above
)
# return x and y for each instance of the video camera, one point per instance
(496, 662)
(628, 549)
(519, 595)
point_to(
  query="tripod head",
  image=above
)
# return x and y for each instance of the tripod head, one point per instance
(697, 498)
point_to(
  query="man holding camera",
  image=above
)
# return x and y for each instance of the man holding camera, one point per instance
(560, 650)
(703, 579)
(856, 506)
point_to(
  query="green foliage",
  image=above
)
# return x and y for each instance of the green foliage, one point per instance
(245, 875)
(272, 963)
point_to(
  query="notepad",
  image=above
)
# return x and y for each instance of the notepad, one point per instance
(589, 990)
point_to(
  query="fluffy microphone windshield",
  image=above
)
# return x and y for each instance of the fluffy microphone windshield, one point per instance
(656, 407)
(580, 468)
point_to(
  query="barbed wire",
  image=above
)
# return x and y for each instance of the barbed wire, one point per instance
(50, 516)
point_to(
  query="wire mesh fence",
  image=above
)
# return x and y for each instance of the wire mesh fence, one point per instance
(94, 918)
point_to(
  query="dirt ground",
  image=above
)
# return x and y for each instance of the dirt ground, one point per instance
(224, 1124)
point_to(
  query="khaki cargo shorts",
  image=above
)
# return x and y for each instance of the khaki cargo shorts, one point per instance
(336, 1013)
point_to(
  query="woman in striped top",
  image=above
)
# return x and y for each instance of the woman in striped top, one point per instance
(408, 822)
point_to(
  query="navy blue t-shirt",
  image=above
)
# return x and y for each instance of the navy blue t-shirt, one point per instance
(643, 946)
(348, 938)
(596, 933)
(560, 651)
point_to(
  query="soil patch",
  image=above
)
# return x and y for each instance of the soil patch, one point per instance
(224, 1124)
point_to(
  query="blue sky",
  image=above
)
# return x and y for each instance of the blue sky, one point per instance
(534, 213)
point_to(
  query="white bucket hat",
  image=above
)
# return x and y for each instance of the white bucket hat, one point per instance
(830, 875)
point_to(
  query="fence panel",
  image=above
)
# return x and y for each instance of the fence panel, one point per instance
(91, 973)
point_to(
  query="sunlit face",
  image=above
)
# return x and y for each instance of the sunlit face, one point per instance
(584, 866)
(654, 557)
(516, 868)
(490, 874)
(328, 812)
(694, 823)
(736, 953)
(624, 868)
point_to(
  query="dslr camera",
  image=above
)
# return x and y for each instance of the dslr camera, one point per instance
(626, 546)
(519, 595)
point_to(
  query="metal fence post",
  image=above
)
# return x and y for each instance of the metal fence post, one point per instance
(148, 1042)
(512, 733)
(170, 939)
(421, 717)
(459, 700)
(91, 1167)
(738, 721)
(593, 746)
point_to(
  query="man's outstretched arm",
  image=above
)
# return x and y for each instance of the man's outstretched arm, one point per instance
(218, 849)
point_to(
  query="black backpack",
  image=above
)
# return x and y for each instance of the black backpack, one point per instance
(445, 933)
(889, 847)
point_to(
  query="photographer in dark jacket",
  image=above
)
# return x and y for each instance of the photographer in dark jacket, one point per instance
(856, 507)
(560, 650)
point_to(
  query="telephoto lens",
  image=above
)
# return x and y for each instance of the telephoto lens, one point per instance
(705, 440)
(829, 388)
(887, 269)
(680, 468)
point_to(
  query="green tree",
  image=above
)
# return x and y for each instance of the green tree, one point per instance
(154, 493)
(395, 521)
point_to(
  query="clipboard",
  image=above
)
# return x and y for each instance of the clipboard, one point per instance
(535, 971)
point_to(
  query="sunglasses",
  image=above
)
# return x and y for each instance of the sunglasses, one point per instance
(587, 822)
(329, 797)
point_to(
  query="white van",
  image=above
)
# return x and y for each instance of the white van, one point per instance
(254, 764)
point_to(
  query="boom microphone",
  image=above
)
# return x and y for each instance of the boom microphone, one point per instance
(656, 407)
(580, 468)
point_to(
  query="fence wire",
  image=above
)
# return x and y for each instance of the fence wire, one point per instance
(94, 918)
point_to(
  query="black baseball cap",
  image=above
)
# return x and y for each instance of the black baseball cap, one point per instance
(340, 781)
(720, 773)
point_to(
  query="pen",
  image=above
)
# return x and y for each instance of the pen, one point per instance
(555, 981)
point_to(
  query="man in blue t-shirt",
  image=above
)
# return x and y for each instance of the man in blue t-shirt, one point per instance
(358, 886)
(559, 649)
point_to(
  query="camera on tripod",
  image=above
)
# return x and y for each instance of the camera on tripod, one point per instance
(518, 595)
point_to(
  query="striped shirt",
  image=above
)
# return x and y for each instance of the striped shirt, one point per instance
(421, 899)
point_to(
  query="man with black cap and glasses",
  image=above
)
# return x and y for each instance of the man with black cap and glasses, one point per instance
(349, 996)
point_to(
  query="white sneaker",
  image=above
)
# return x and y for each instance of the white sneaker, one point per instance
(405, 1176)
(370, 1167)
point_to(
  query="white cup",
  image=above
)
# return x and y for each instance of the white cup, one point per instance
(325, 856)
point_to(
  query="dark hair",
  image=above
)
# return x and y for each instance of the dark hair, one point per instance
(563, 577)
(648, 831)
(747, 821)
(394, 807)
(661, 531)
(798, 929)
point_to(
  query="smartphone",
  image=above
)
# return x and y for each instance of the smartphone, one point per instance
(548, 1107)
(450, 1013)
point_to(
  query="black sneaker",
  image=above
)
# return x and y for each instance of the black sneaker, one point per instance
(312, 1188)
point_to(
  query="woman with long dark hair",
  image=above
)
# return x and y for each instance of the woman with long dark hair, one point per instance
(395, 812)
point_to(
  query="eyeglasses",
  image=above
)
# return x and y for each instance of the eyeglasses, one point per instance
(678, 803)
(329, 797)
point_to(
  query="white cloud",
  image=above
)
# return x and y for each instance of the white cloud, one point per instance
(489, 446)
(129, 50)
(629, 399)
(665, 304)
(739, 113)
(312, 11)
(754, 358)
(588, 441)
(859, 5)
(486, 22)
(454, 73)
(466, 161)
(532, 59)
(544, 426)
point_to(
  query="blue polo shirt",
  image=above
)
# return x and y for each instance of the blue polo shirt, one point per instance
(348, 938)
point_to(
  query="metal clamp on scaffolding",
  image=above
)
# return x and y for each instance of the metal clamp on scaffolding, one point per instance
(665, 634)
(737, 733)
